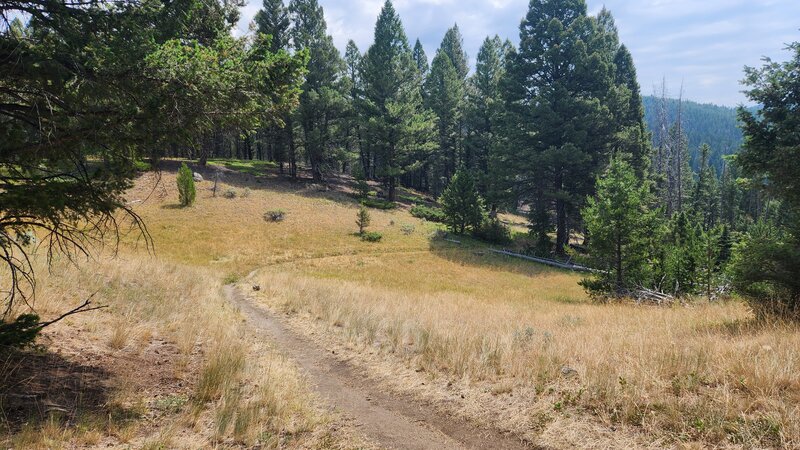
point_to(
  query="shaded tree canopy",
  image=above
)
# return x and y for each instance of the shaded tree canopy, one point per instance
(89, 88)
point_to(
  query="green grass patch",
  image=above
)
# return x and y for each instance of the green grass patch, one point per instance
(377, 203)
(250, 167)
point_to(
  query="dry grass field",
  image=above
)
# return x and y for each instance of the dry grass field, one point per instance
(507, 343)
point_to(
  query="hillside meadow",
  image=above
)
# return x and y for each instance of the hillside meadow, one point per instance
(507, 343)
(702, 372)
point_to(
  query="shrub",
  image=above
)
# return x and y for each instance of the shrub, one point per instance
(276, 215)
(229, 194)
(493, 231)
(186, 190)
(371, 236)
(407, 229)
(428, 213)
(362, 219)
(142, 166)
(246, 193)
(378, 203)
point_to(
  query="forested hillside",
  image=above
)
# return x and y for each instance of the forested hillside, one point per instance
(703, 123)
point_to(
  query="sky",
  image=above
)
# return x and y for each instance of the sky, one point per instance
(700, 44)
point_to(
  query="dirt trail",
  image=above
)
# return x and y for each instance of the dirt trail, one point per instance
(391, 420)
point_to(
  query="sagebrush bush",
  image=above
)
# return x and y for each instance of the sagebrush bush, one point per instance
(276, 215)
(229, 194)
(371, 236)
(186, 189)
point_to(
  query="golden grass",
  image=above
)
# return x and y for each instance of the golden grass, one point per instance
(538, 356)
(703, 373)
(149, 298)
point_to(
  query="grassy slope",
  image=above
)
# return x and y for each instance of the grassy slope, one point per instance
(701, 373)
(506, 342)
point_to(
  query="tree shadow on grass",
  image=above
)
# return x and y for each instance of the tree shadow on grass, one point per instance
(475, 253)
(336, 188)
(748, 327)
(40, 387)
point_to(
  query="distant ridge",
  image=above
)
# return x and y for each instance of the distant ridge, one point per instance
(711, 124)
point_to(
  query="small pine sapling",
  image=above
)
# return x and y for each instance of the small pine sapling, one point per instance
(362, 219)
(186, 189)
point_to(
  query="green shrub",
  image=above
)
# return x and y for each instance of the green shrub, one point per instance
(186, 190)
(493, 231)
(371, 236)
(430, 214)
(378, 203)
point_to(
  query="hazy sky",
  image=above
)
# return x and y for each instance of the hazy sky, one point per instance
(702, 43)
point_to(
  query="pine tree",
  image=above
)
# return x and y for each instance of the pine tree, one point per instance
(273, 20)
(766, 266)
(557, 88)
(632, 135)
(621, 228)
(730, 197)
(705, 199)
(453, 46)
(362, 219)
(400, 130)
(683, 255)
(186, 189)
(445, 95)
(421, 60)
(351, 126)
(322, 102)
(483, 103)
(461, 203)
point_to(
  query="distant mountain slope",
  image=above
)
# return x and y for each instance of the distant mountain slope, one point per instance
(714, 125)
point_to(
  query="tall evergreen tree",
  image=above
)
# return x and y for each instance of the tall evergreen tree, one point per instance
(445, 98)
(401, 131)
(559, 129)
(453, 46)
(322, 102)
(352, 127)
(483, 102)
(421, 60)
(273, 20)
(705, 198)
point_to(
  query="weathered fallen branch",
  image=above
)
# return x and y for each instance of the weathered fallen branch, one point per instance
(644, 295)
(547, 262)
